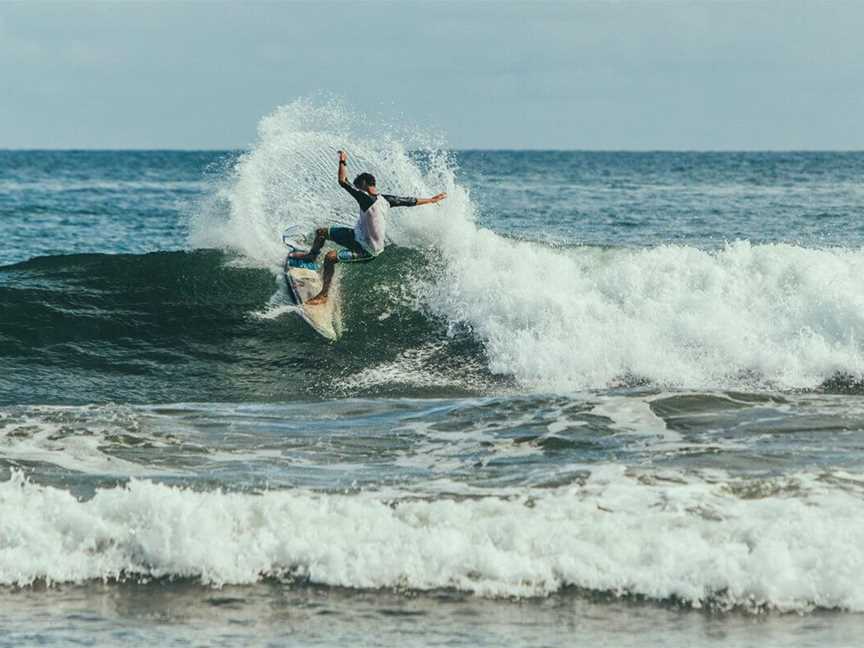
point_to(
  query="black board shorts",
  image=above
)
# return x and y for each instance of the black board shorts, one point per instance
(353, 252)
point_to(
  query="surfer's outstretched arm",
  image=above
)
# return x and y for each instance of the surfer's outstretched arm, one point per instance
(366, 199)
(399, 201)
(434, 199)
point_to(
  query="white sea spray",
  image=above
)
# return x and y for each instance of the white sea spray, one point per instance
(749, 316)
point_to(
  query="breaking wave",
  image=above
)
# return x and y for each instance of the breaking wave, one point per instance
(450, 306)
(705, 543)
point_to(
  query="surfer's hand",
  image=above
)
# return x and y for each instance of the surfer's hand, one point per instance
(343, 156)
(433, 199)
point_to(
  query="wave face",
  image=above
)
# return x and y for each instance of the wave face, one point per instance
(199, 326)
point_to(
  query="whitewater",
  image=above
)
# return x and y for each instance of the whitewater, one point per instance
(701, 545)
(561, 318)
(614, 391)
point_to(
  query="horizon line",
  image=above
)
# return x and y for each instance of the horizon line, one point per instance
(452, 149)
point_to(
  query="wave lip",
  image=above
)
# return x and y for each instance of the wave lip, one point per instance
(689, 539)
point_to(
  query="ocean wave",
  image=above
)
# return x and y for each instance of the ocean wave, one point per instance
(753, 317)
(745, 316)
(790, 544)
(487, 310)
(187, 326)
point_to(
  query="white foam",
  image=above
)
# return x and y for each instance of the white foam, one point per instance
(634, 415)
(412, 367)
(275, 311)
(660, 538)
(744, 316)
(288, 178)
(70, 437)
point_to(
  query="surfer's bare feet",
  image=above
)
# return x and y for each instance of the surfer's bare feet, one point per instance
(302, 256)
(317, 300)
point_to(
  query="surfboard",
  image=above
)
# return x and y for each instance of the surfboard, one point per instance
(303, 279)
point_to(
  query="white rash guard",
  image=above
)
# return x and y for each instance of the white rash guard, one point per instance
(371, 226)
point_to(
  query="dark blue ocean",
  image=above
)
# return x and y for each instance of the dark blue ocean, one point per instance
(607, 398)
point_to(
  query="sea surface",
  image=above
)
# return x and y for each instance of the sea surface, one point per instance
(592, 398)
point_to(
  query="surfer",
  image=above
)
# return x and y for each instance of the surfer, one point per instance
(365, 241)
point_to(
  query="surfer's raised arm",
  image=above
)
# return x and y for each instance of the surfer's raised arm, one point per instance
(361, 194)
(343, 168)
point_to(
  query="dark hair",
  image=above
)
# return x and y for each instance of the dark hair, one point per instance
(364, 180)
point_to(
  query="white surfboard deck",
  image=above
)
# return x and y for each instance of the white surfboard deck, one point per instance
(303, 284)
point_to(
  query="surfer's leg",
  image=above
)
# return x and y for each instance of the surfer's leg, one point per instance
(321, 236)
(358, 254)
(320, 239)
(353, 253)
(330, 261)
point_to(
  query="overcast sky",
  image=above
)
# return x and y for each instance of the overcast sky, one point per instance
(643, 74)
